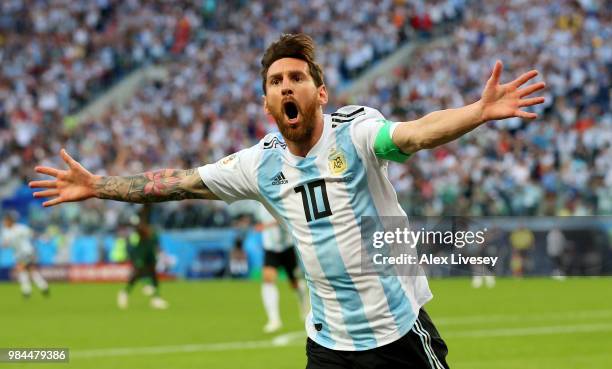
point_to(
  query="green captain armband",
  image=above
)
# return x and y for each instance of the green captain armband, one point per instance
(385, 148)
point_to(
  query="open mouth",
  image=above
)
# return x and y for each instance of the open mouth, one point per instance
(291, 111)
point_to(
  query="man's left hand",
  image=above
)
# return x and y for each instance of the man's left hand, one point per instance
(505, 101)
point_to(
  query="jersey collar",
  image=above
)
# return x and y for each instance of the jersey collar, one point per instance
(318, 147)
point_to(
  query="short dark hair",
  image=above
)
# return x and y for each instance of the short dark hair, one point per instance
(298, 46)
(13, 215)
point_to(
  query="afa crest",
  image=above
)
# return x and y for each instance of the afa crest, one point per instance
(337, 162)
(228, 162)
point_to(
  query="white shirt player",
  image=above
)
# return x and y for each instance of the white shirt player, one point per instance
(18, 237)
(321, 199)
(274, 238)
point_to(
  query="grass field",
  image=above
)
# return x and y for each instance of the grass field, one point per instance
(530, 323)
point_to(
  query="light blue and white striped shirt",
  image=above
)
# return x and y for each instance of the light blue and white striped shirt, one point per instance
(321, 199)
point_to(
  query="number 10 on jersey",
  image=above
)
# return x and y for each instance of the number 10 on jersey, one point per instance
(314, 196)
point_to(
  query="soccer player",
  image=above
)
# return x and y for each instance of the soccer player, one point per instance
(278, 252)
(334, 170)
(143, 255)
(19, 237)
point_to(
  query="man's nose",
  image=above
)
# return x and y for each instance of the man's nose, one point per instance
(286, 90)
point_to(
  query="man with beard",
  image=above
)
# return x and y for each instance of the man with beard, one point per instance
(320, 177)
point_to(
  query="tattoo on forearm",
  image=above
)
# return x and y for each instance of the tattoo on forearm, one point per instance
(154, 186)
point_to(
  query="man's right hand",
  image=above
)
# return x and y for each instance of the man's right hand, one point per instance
(74, 184)
(78, 184)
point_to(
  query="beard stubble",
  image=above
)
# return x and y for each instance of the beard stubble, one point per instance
(303, 132)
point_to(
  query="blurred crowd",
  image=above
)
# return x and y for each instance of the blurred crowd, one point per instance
(58, 55)
(211, 104)
(558, 164)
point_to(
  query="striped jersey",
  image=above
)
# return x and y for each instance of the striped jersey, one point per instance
(321, 199)
(274, 237)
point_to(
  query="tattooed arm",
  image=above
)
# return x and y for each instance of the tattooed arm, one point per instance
(78, 184)
(155, 186)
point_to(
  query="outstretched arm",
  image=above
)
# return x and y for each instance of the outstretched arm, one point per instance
(497, 102)
(78, 184)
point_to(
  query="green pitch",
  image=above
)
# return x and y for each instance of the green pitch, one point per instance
(530, 323)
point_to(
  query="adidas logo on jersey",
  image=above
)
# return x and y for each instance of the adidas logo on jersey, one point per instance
(279, 179)
(274, 143)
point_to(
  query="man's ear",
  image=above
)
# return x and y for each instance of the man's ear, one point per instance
(323, 98)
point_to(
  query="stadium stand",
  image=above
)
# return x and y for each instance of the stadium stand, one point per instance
(168, 125)
(58, 56)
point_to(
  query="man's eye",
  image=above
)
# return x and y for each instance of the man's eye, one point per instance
(275, 81)
(297, 78)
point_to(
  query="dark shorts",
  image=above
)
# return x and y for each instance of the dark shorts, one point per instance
(144, 261)
(285, 259)
(147, 271)
(421, 348)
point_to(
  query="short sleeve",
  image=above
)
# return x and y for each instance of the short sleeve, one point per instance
(231, 178)
(372, 134)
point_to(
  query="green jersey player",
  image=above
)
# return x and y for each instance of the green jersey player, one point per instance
(142, 251)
